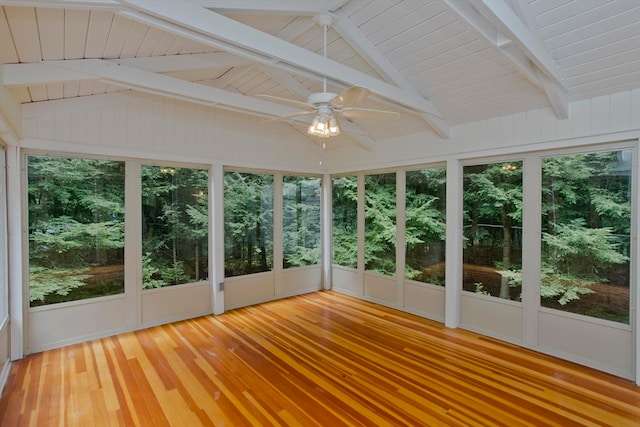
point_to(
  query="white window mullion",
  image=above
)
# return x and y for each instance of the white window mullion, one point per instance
(531, 256)
(453, 268)
(401, 238)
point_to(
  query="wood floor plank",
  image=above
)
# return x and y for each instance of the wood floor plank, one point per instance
(321, 359)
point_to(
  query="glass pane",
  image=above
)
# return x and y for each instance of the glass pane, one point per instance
(380, 223)
(175, 226)
(586, 223)
(76, 229)
(493, 229)
(425, 225)
(301, 221)
(345, 221)
(248, 223)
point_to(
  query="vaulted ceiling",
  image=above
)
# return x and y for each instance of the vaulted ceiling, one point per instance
(437, 63)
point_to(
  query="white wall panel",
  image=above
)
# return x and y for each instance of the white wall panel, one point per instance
(491, 316)
(599, 116)
(424, 300)
(51, 327)
(347, 280)
(250, 289)
(175, 303)
(140, 125)
(381, 289)
(297, 281)
(592, 343)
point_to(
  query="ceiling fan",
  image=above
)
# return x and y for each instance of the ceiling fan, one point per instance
(328, 105)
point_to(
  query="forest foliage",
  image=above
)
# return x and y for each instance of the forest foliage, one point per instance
(76, 225)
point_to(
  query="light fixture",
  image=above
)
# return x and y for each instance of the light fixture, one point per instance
(324, 125)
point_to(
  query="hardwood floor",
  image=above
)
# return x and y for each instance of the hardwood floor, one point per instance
(321, 359)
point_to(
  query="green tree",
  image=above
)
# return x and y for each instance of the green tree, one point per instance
(76, 225)
(380, 223)
(248, 219)
(493, 201)
(301, 221)
(425, 224)
(587, 220)
(175, 225)
(345, 221)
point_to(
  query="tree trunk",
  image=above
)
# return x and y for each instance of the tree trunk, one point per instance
(506, 251)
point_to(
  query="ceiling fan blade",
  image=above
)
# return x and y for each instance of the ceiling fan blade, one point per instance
(292, 102)
(351, 96)
(356, 113)
(288, 117)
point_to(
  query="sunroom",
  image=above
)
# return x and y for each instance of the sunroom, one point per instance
(474, 163)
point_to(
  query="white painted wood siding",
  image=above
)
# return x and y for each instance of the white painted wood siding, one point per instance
(601, 119)
(149, 127)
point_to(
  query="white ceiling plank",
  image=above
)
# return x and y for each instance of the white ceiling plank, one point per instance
(38, 93)
(98, 33)
(42, 72)
(170, 63)
(134, 38)
(51, 33)
(118, 33)
(359, 42)
(25, 33)
(159, 84)
(112, 5)
(557, 97)
(286, 80)
(518, 58)
(8, 53)
(246, 40)
(150, 42)
(164, 44)
(354, 37)
(76, 23)
(231, 76)
(510, 24)
(280, 7)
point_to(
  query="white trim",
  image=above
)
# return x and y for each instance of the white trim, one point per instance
(216, 237)
(17, 253)
(453, 248)
(326, 227)
(4, 375)
(531, 250)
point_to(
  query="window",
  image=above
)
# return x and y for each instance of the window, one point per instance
(76, 228)
(493, 229)
(380, 223)
(586, 224)
(175, 225)
(425, 225)
(248, 223)
(301, 221)
(345, 221)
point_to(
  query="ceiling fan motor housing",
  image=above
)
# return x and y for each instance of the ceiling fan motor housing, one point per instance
(321, 98)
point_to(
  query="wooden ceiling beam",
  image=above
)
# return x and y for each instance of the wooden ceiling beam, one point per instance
(213, 29)
(513, 40)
